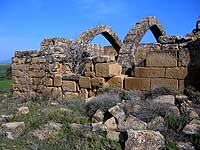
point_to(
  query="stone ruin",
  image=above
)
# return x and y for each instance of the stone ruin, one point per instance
(63, 67)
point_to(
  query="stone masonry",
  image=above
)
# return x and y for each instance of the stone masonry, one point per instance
(63, 68)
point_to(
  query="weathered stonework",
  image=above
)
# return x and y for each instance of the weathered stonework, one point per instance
(161, 59)
(132, 83)
(146, 72)
(107, 69)
(64, 68)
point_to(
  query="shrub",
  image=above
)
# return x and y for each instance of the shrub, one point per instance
(171, 121)
(113, 91)
(159, 91)
(77, 105)
(103, 102)
(125, 95)
(171, 146)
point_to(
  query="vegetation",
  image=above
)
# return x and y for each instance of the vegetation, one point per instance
(76, 111)
(5, 85)
(5, 72)
(44, 111)
(5, 78)
(171, 146)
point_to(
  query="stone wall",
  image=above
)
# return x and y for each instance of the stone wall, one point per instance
(63, 68)
(48, 73)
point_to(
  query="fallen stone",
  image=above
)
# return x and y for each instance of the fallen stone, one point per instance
(111, 124)
(7, 117)
(54, 125)
(47, 130)
(185, 107)
(98, 116)
(99, 128)
(181, 97)
(157, 124)
(193, 115)
(174, 111)
(113, 135)
(184, 146)
(118, 113)
(21, 100)
(193, 128)
(144, 140)
(54, 103)
(13, 129)
(41, 134)
(23, 110)
(132, 123)
(76, 126)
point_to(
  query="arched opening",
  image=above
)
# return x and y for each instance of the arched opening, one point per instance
(103, 30)
(107, 43)
(148, 38)
(130, 43)
(100, 40)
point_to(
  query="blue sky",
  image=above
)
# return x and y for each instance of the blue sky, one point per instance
(24, 23)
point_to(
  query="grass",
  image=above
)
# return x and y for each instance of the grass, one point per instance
(5, 85)
(40, 113)
(5, 75)
(4, 70)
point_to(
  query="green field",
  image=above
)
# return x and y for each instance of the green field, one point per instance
(5, 71)
(5, 85)
(5, 77)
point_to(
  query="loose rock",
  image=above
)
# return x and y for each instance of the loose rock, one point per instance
(132, 123)
(13, 129)
(118, 113)
(144, 140)
(193, 128)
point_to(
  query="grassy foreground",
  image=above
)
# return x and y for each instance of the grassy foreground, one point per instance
(5, 77)
(43, 111)
(5, 71)
(5, 85)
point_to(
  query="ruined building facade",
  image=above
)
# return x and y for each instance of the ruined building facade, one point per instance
(63, 67)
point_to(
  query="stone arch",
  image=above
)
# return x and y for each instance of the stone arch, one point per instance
(81, 48)
(133, 38)
(87, 36)
(138, 31)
